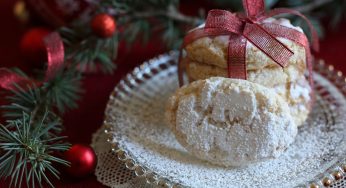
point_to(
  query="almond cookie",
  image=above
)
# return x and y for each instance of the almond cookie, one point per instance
(298, 96)
(268, 77)
(290, 83)
(213, 50)
(230, 122)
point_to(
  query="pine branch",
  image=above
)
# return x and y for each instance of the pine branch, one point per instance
(139, 19)
(27, 151)
(22, 99)
(28, 142)
(63, 91)
(90, 52)
(171, 13)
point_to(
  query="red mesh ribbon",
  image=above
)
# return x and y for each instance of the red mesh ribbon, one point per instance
(248, 27)
(253, 8)
(236, 55)
(8, 79)
(55, 53)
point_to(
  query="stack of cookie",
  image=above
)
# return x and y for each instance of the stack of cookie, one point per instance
(207, 57)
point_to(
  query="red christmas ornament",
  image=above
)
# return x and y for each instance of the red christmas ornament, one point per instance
(103, 25)
(32, 47)
(82, 158)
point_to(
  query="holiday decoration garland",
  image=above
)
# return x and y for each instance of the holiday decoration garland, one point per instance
(34, 104)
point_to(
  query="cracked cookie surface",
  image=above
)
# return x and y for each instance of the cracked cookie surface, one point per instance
(230, 122)
(207, 57)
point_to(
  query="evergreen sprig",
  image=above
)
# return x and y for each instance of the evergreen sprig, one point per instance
(28, 150)
(141, 19)
(21, 100)
(86, 51)
(61, 93)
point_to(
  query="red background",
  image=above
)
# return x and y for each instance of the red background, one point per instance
(83, 122)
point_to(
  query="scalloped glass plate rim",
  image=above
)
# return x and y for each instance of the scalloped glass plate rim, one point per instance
(327, 178)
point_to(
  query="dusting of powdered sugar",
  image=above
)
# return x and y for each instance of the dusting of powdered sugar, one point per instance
(141, 130)
(299, 94)
(231, 122)
(300, 90)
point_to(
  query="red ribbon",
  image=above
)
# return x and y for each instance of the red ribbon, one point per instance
(242, 28)
(55, 52)
(55, 55)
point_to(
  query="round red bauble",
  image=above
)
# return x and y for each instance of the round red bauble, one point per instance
(103, 25)
(82, 158)
(32, 47)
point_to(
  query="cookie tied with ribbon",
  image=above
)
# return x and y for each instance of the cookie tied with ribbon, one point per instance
(253, 28)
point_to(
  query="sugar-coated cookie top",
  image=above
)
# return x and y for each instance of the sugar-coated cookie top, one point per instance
(231, 122)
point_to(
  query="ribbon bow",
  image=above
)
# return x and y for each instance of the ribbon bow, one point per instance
(55, 52)
(249, 27)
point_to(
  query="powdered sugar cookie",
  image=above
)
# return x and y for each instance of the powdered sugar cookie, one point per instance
(290, 83)
(269, 77)
(297, 94)
(230, 122)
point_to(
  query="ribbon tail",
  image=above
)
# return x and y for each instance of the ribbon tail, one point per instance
(314, 35)
(55, 49)
(10, 80)
(253, 7)
(267, 43)
(55, 53)
(236, 58)
(309, 60)
(314, 39)
(295, 36)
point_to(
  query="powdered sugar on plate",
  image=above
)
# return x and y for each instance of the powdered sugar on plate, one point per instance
(140, 129)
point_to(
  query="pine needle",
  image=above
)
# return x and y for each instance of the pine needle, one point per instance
(25, 155)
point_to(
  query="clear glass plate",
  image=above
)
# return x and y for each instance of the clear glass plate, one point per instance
(134, 118)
